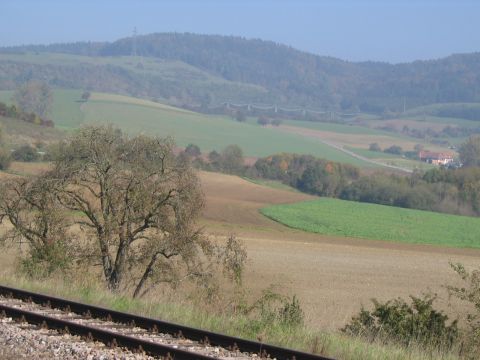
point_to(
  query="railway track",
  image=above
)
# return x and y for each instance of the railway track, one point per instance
(137, 333)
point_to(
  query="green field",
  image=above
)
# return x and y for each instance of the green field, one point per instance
(337, 128)
(207, 131)
(379, 222)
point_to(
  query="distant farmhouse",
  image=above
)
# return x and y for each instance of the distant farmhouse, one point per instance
(435, 158)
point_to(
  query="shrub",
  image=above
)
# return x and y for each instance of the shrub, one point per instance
(5, 159)
(394, 149)
(262, 120)
(399, 322)
(43, 261)
(193, 150)
(25, 153)
(374, 147)
(470, 293)
(291, 313)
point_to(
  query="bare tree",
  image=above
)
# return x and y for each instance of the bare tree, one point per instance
(139, 204)
(123, 203)
(34, 97)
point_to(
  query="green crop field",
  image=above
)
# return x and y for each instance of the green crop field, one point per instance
(337, 128)
(210, 132)
(379, 222)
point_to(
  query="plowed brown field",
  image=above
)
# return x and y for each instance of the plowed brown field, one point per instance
(332, 276)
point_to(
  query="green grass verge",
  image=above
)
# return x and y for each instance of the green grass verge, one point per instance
(332, 344)
(379, 222)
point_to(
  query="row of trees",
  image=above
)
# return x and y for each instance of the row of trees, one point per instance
(445, 190)
(439, 189)
(230, 160)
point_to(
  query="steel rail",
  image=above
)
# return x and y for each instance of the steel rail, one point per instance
(215, 339)
(108, 337)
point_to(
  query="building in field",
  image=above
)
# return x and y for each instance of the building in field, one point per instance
(435, 158)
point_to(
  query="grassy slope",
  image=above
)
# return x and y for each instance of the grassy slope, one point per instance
(338, 128)
(208, 131)
(169, 70)
(371, 221)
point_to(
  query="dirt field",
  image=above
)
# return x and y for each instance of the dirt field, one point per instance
(332, 276)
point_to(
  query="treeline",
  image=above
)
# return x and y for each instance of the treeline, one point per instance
(14, 112)
(463, 111)
(447, 131)
(289, 76)
(455, 191)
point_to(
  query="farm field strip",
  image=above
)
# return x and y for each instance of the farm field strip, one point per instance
(210, 132)
(371, 221)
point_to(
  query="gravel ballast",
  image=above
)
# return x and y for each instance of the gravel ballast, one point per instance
(24, 341)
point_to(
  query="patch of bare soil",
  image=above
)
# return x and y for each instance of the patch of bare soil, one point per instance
(332, 276)
(235, 201)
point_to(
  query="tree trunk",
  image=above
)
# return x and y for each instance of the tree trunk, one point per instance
(145, 275)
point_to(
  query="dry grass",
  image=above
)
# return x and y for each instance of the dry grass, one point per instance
(179, 310)
(333, 276)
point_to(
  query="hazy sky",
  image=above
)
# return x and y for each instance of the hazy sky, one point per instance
(387, 30)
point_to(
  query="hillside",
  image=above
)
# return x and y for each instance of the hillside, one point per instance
(210, 69)
(210, 132)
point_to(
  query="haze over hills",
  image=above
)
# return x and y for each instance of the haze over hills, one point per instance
(205, 70)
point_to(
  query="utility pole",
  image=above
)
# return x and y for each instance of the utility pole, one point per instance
(134, 42)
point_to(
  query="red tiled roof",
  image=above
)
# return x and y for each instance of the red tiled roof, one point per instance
(434, 155)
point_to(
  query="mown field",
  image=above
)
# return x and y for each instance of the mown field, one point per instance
(212, 132)
(371, 221)
(207, 131)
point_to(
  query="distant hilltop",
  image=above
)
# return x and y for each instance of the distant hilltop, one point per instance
(217, 68)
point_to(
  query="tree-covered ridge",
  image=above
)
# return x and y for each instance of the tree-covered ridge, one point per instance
(298, 78)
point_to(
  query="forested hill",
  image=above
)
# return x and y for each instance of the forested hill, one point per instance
(293, 77)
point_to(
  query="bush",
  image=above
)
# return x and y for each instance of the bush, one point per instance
(262, 120)
(193, 150)
(470, 293)
(394, 149)
(374, 147)
(399, 322)
(291, 313)
(25, 153)
(43, 261)
(5, 159)
(270, 310)
(240, 116)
